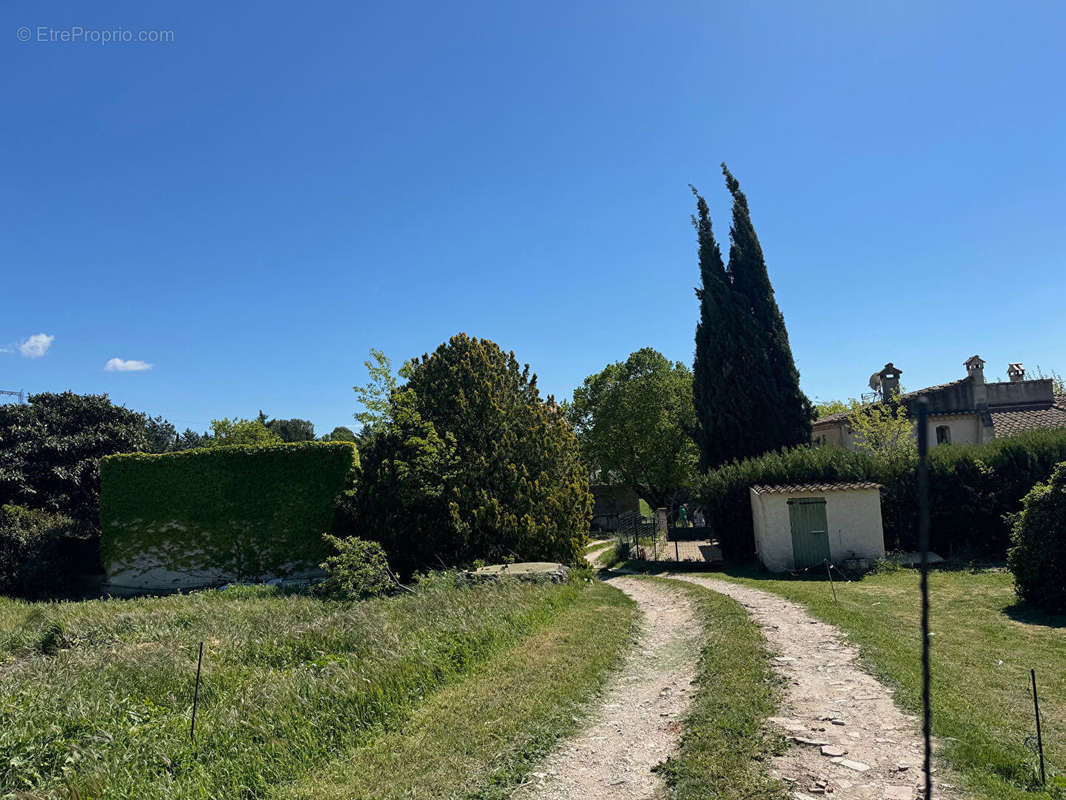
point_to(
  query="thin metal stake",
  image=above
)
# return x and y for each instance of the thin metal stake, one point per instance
(1039, 737)
(832, 585)
(196, 694)
(923, 546)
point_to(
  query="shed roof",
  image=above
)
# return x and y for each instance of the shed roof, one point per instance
(799, 488)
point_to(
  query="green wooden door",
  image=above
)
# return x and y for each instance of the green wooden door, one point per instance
(810, 533)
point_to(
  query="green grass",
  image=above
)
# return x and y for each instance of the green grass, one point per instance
(645, 509)
(983, 646)
(95, 696)
(725, 743)
(480, 737)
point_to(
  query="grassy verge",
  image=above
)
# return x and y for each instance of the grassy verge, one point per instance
(725, 745)
(609, 558)
(983, 647)
(479, 737)
(602, 552)
(95, 696)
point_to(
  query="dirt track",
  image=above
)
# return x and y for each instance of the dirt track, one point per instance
(847, 737)
(640, 720)
(849, 740)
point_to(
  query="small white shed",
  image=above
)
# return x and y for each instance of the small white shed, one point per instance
(803, 525)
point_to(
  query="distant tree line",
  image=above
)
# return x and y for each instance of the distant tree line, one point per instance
(163, 436)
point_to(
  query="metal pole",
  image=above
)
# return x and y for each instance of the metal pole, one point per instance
(1039, 736)
(196, 694)
(923, 546)
(832, 585)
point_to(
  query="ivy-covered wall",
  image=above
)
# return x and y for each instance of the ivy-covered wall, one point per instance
(196, 517)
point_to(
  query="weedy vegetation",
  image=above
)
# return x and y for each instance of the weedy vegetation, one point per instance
(95, 697)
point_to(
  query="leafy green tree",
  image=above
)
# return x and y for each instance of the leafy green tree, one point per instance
(470, 463)
(827, 407)
(375, 396)
(883, 429)
(339, 434)
(227, 431)
(633, 421)
(746, 385)
(50, 450)
(293, 430)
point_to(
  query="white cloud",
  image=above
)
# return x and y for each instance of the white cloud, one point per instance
(36, 346)
(120, 365)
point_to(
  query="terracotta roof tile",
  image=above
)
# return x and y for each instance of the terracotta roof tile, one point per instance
(837, 416)
(1011, 423)
(795, 488)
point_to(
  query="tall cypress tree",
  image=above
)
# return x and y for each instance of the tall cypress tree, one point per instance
(783, 412)
(717, 388)
(745, 383)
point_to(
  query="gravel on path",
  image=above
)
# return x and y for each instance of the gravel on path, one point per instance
(848, 738)
(639, 722)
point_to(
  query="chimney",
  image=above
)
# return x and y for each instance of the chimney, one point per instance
(889, 381)
(1016, 373)
(975, 369)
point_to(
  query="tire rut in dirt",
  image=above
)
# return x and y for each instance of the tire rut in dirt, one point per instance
(848, 737)
(639, 722)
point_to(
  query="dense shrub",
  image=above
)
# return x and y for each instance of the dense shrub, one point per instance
(972, 489)
(50, 450)
(224, 513)
(34, 552)
(357, 570)
(1038, 553)
(471, 464)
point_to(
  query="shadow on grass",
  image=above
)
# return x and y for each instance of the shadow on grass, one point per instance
(1022, 612)
(752, 570)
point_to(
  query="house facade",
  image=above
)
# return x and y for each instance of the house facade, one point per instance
(966, 411)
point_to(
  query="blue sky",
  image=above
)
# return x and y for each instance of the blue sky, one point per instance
(253, 205)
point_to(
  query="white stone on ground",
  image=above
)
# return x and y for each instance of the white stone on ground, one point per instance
(831, 702)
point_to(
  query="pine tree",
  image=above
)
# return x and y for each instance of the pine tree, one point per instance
(782, 411)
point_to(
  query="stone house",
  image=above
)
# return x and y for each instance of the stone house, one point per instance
(966, 411)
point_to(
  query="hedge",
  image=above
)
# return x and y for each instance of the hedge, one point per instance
(220, 513)
(973, 490)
